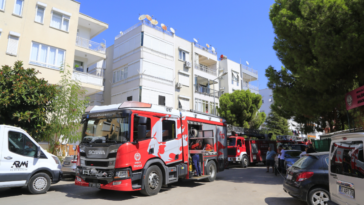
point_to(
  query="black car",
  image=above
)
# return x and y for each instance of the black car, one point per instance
(308, 179)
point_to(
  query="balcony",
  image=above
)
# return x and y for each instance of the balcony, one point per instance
(249, 69)
(90, 45)
(205, 49)
(206, 91)
(92, 83)
(252, 88)
(205, 69)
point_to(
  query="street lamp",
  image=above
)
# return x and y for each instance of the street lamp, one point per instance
(213, 87)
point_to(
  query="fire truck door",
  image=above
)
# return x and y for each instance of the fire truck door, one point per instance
(171, 149)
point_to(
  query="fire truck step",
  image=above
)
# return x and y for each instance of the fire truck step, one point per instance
(198, 178)
(136, 186)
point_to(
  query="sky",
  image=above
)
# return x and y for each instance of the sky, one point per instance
(240, 29)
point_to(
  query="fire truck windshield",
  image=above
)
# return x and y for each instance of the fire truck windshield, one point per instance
(106, 130)
(231, 141)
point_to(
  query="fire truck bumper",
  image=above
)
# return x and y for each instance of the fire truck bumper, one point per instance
(234, 159)
(119, 185)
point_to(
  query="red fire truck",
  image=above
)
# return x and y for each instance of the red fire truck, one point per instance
(138, 146)
(244, 151)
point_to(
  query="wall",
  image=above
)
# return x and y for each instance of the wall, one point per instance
(266, 95)
(83, 32)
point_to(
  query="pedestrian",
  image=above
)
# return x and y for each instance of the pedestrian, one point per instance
(304, 152)
(270, 158)
(196, 163)
(310, 149)
(282, 159)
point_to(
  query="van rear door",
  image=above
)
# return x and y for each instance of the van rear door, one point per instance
(347, 171)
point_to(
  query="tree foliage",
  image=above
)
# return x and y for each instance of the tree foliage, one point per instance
(320, 44)
(277, 125)
(69, 105)
(25, 99)
(241, 107)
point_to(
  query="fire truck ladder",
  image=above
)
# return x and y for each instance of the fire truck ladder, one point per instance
(260, 134)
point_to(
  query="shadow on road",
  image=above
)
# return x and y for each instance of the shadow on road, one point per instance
(283, 200)
(254, 174)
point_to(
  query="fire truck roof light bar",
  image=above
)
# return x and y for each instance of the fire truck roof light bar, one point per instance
(134, 104)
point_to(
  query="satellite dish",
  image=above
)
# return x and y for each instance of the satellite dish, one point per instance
(172, 30)
(164, 27)
(141, 17)
(195, 40)
(247, 62)
(121, 33)
(148, 17)
(213, 49)
(207, 45)
(154, 22)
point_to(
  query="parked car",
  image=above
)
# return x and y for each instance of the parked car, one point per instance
(307, 179)
(347, 169)
(291, 156)
(69, 166)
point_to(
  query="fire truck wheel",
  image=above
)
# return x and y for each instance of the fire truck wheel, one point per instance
(245, 161)
(153, 181)
(211, 170)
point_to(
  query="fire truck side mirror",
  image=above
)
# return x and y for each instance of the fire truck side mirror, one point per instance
(142, 128)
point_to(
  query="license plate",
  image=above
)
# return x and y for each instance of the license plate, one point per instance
(86, 172)
(96, 185)
(66, 163)
(234, 159)
(347, 192)
(289, 177)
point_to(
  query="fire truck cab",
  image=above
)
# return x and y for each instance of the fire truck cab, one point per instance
(138, 146)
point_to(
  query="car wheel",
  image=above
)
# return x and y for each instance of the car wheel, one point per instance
(318, 196)
(39, 183)
(211, 170)
(153, 181)
(245, 161)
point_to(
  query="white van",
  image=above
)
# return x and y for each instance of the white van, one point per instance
(346, 172)
(23, 163)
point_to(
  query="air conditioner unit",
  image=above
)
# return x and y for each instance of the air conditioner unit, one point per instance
(179, 85)
(188, 64)
(222, 88)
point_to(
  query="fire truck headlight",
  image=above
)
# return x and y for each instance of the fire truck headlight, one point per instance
(122, 174)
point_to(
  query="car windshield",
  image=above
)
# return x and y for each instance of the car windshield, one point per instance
(292, 154)
(231, 141)
(304, 162)
(106, 130)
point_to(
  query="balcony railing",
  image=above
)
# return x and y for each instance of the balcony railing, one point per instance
(205, 68)
(251, 87)
(144, 22)
(88, 78)
(206, 91)
(91, 45)
(205, 48)
(249, 69)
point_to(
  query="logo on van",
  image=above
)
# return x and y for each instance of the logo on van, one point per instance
(18, 164)
(96, 152)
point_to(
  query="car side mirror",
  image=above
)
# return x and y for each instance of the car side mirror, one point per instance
(37, 152)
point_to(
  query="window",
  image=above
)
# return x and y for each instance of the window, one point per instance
(201, 105)
(39, 16)
(239, 142)
(2, 5)
(184, 79)
(235, 78)
(168, 130)
(184, 103)
(120, 75)
(183, 55)
(78, 65)
(136, 123)
(347, 158)
(60, 21)
(20, 144)
(130, 98)
(162, 100)
(18, 8)
(13, 45)
(47, 56)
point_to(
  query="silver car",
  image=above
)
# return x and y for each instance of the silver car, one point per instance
(69, 166)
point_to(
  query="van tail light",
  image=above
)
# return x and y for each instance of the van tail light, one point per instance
(74, 161)
(303, 176)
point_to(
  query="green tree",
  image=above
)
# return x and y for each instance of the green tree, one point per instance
(69, 105)
(320, 44)
(277, 125)
(241, 107)
(25, 99)
(257, 120)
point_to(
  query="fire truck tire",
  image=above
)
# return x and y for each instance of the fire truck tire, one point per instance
(153, 181)
(211, 170)
(245, 162)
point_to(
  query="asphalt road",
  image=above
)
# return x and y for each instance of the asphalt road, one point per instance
(233, 186)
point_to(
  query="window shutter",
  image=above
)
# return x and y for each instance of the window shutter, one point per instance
(13, 45)
(162, 100)
(184, 79)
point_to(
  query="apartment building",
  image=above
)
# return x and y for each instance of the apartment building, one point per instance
(49, 35)
(238, 76)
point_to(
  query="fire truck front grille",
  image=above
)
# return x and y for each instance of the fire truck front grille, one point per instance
(232, 151)
(101, 181)
(97, 163)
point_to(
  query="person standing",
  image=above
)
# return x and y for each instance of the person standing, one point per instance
(270, 158)
(310, 149)
(282, 159)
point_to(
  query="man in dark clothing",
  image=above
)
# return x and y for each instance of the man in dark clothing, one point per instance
(310, 149)
(196, 163)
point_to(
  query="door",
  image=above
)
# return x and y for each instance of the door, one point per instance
(346, 175)
(17, 160)
(222, 155)
(171, 148)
